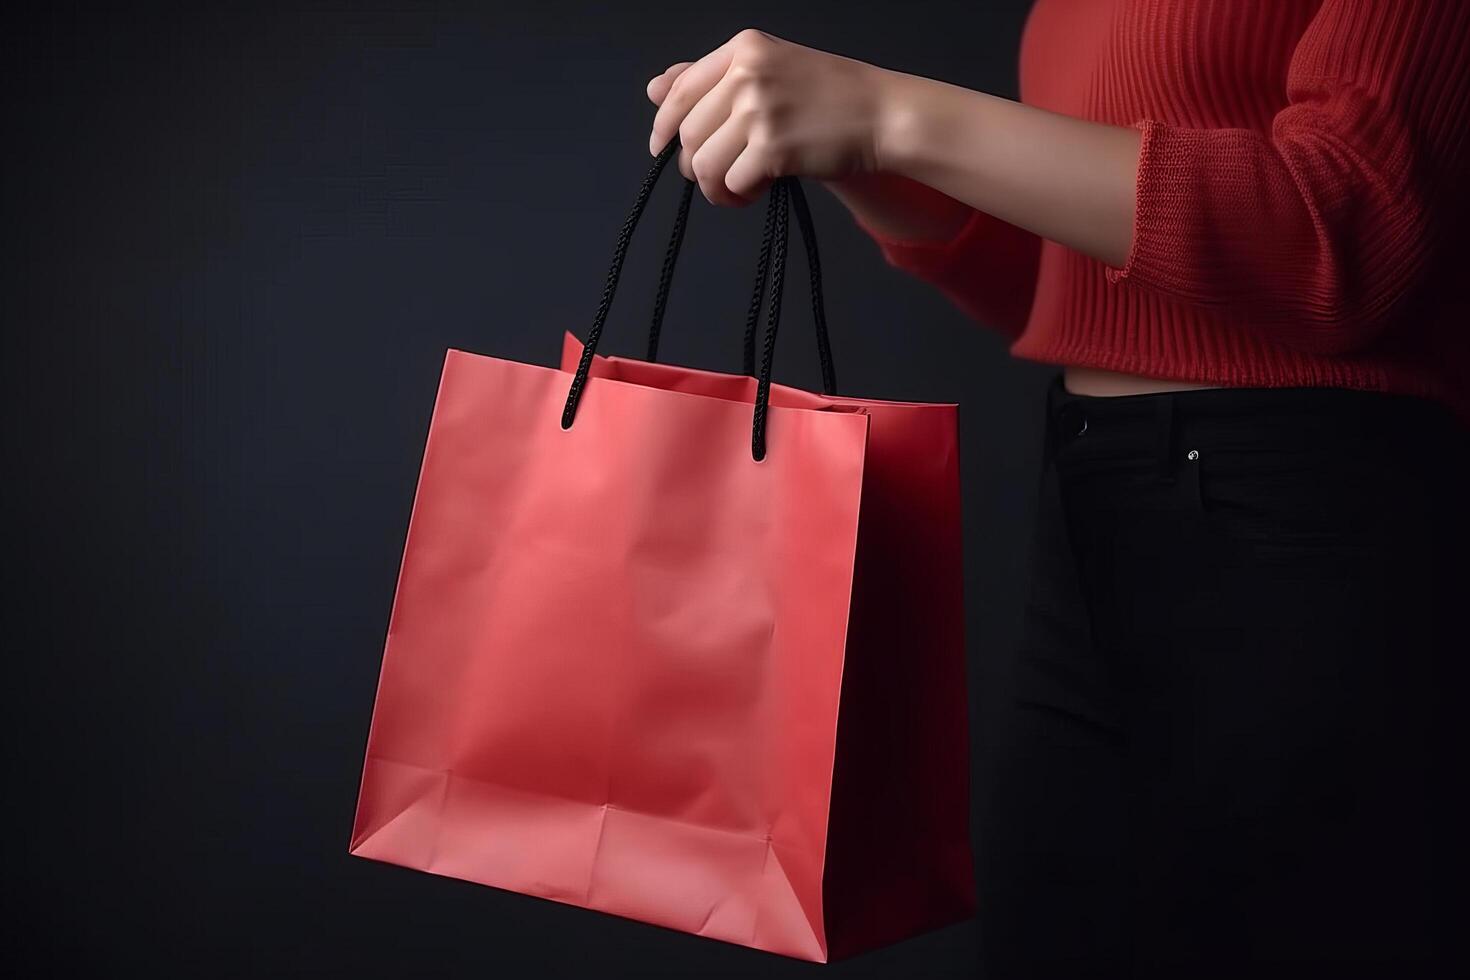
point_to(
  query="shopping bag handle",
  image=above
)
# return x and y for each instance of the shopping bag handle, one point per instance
(814, 267)
(772, 266)
(752, 316)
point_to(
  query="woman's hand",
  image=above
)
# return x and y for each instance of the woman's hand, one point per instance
(759, 107)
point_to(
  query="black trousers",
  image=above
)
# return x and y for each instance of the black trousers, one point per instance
(1235, 743)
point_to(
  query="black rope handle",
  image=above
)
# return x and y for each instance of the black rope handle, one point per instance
(620, 252)
(666, 274)
(772, 265)
(780, 194)
(753, 312)
(762, 278)
(814, 270)
(814, 267)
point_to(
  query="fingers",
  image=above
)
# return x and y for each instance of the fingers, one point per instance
(659, 85)
(721, 148)
(684, 92)
(751, 172)
(712, 161)
(708, 115)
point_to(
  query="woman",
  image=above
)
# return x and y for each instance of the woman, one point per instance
(1236, 725)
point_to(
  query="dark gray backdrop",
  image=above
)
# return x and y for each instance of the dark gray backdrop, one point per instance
(238, 242)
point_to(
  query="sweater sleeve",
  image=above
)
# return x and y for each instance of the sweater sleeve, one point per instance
(1319, 231)
(987, 268)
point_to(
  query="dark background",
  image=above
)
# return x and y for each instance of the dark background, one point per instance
(238, 241)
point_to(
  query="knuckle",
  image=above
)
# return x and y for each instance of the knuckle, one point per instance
(710, 191)
(746, 185)
(699, 165)
(750, 108)
(743, 73)
(751, 47)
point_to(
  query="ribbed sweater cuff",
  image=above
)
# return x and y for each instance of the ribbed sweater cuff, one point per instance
(1165, 183)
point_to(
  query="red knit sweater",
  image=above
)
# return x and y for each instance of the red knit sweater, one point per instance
(1301, 192)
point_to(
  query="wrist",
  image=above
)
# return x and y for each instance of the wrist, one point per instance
(905, 106)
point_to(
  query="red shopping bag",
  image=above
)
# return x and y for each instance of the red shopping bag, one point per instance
(681, 646)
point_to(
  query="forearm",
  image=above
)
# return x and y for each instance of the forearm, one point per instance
(1065, 179)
